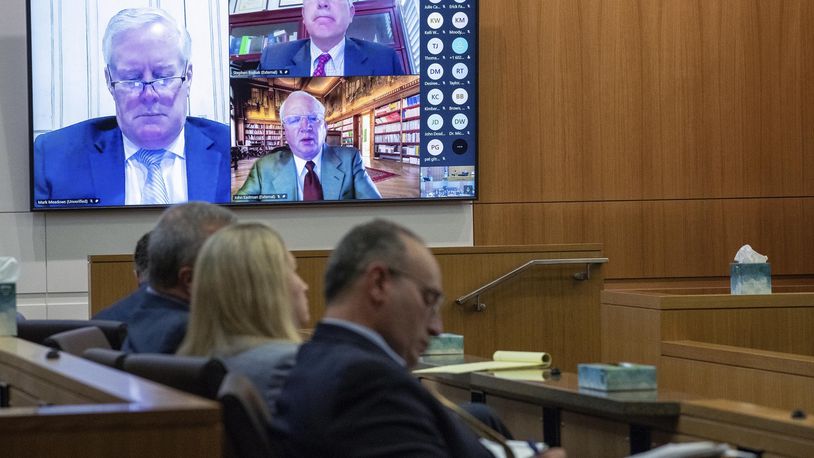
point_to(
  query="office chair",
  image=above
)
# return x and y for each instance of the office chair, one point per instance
(194, 374)
(106, 357)
(76, 341)
(38, 330)
(246, 418)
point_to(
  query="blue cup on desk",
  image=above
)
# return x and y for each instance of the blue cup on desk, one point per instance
(750, 278)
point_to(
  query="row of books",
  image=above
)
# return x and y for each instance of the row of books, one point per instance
(411, 112)
(387, 128)
(253, 44)
(411, 137)
(387, 138)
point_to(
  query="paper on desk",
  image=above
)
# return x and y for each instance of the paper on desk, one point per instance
(502, 360)
(535, 375)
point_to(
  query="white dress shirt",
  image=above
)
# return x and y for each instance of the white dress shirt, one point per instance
(173, 170)
(335, 66)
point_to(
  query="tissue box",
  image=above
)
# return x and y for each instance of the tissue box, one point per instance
(8, 309)
(750, 278)
(445, 344)
(617, 377)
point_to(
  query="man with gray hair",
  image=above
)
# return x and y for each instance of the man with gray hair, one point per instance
(151, 152)
(159, 323)
(351, 393)
(307, 169)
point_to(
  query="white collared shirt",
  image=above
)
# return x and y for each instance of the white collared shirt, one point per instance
(299, 164)
(335, 66)
(173, 169)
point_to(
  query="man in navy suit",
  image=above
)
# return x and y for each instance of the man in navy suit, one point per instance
(327, 51)
(351, 392)
(150, 153)
(158, 322)
(307, 169)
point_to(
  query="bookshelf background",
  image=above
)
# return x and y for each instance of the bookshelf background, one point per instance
(263, 133)
(345, 129)
(396, 130)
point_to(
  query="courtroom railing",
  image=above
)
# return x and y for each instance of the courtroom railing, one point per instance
(579, 276)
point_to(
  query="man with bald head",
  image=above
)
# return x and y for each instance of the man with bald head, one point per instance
(150, 152)
(307, 169)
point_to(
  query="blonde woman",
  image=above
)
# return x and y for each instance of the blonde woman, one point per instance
(247, 304)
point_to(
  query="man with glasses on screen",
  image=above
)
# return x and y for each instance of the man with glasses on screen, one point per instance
(327, 51)
(307, 169)
(151, 152)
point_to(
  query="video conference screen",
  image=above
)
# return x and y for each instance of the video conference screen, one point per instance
(252, 102)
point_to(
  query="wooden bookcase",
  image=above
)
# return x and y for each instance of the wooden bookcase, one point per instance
(345, 129)
(263, 133)
(396, 130)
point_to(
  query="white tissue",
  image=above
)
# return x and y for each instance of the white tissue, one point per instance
(746, 255)
(9, 269)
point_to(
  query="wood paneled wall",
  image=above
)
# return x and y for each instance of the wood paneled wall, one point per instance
(670, 131)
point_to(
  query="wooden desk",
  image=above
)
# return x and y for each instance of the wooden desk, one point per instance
(594, 423)
(751, 348)
(558, 412)
(68, 406)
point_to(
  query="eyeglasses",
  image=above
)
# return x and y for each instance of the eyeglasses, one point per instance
(296, 119)
(432, 297)
(162, 86)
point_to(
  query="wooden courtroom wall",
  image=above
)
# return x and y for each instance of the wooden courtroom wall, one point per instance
(670, 131)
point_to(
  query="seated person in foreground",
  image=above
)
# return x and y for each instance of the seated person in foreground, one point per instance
(123, 308)
(307, 169)
(351, 392)
(159, 322)
(327, 51)
(247, 303)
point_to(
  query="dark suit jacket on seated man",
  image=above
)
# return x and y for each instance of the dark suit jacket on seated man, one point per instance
(150, 153)
(362, 58)
(327, 51)
(87, 160)
(307, 169)
(158, 323)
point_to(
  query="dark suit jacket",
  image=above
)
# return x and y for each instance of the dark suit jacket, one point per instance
(157, 326)
(362, 58)
(122, 309)
(343, 176)
(346, 397)
(86, 160)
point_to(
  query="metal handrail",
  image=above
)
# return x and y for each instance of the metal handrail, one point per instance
(581, 276)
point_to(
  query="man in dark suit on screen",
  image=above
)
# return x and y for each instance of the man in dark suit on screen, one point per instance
(307, 169)
(150, 153)
(327, 51)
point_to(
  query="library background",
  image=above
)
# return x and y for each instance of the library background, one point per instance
(380, 116)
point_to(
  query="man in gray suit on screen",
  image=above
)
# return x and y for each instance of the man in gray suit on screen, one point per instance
(307, 169)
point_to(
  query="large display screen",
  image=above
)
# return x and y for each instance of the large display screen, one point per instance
(252, 102)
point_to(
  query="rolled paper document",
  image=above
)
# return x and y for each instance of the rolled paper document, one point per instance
(502, 360)
(538, 357)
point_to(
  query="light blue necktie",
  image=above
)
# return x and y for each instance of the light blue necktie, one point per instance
(154, 191)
